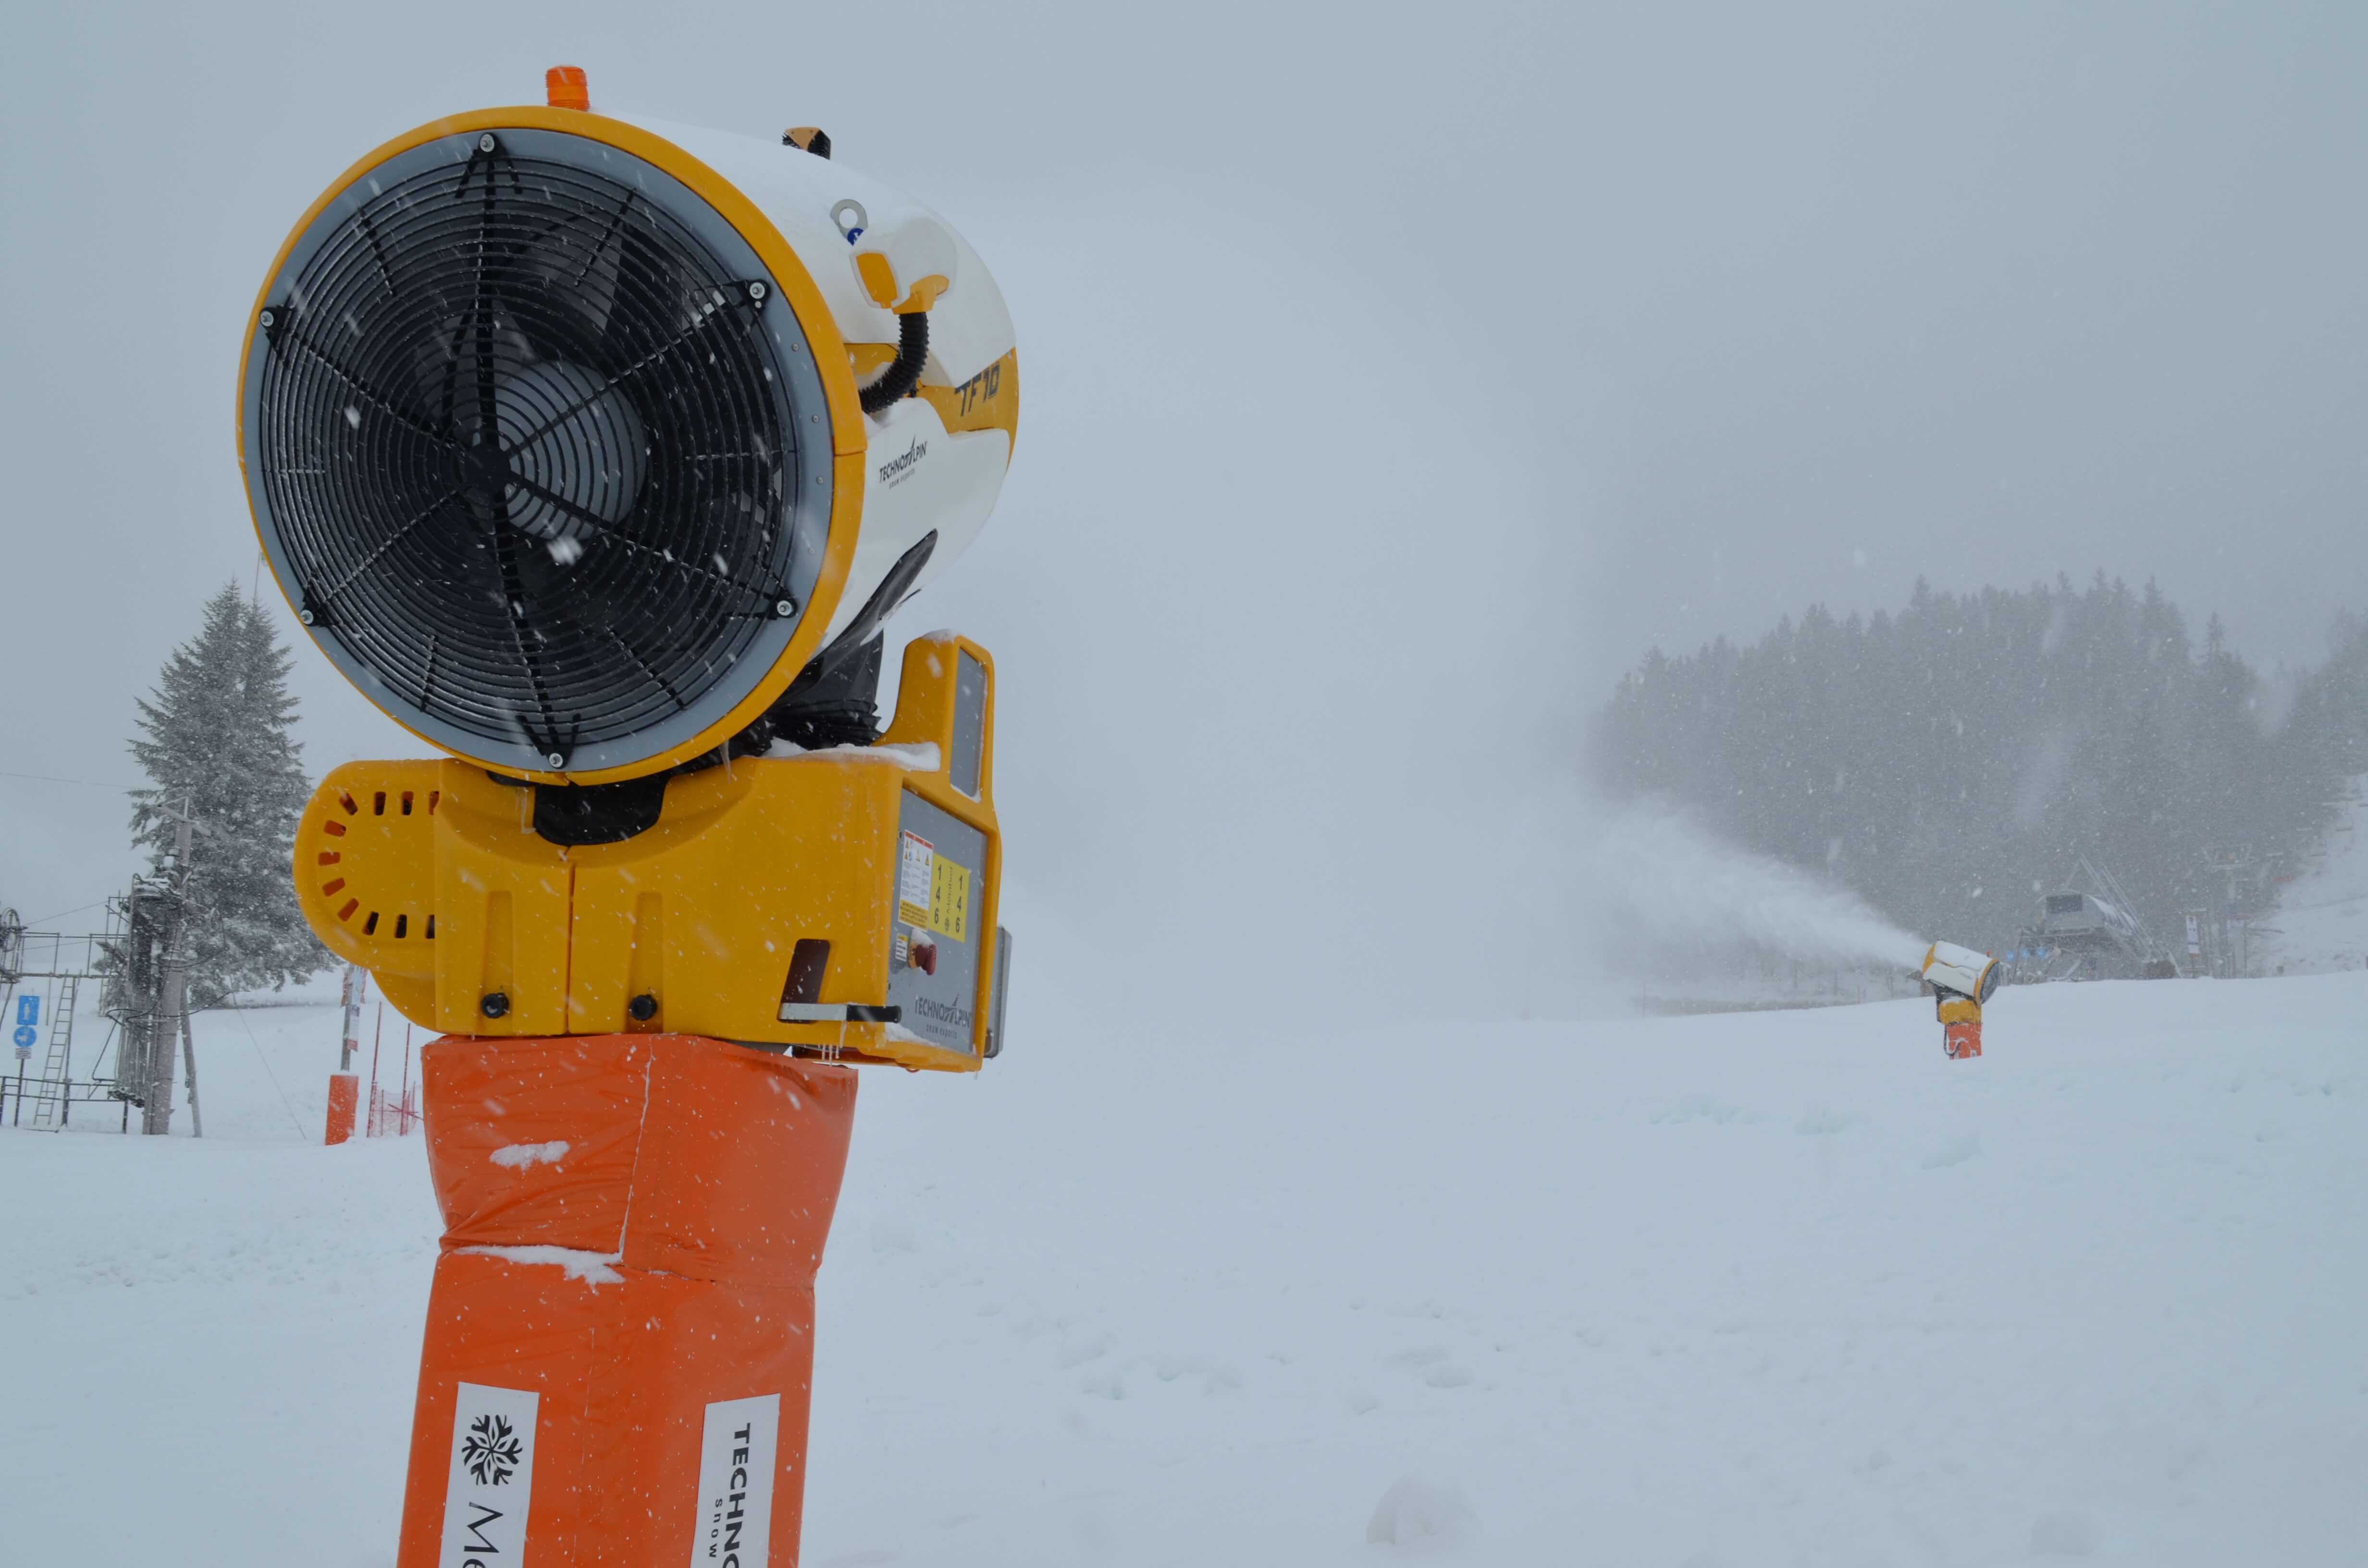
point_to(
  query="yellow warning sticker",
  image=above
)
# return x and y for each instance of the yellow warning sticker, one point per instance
(915, 880)
(950, 899)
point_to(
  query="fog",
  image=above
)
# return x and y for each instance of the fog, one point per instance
(1394, 380)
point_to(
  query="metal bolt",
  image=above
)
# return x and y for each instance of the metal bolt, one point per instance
(784, 608)
(557, 759)
(644, 1007)
(305, 615)
(486, 143)
(756, 290)
(268, 318)
(495, 1005)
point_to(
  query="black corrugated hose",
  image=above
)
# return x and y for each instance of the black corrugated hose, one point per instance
(904, 374)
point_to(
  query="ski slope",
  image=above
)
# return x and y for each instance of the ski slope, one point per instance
(1761, 1289)
(2321, 922)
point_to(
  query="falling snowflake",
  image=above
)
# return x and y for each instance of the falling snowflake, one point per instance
(491, 1450)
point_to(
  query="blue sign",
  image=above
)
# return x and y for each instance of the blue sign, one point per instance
(26, 1036)
(28, 1010)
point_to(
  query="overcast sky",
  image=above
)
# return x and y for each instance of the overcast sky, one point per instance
(1394, 378)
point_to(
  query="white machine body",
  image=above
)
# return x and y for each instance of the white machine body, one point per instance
(1960, 971)
(921, 476)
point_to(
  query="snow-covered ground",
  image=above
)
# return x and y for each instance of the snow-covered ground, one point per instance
(1772, 1288)
(2321, 923)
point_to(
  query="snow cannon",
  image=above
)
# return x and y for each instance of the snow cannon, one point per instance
(597, 454)
(1962, 980)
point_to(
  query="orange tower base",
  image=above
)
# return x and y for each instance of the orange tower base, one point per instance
(621, 1334)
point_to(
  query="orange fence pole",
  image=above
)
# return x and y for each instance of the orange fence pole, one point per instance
(344, 1094)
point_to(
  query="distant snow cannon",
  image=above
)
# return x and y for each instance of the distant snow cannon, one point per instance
(597, 454)
(1962, 980)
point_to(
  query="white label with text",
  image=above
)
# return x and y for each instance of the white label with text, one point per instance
(736, 1482)
(492, 1479)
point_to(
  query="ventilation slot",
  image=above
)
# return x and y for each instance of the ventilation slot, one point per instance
(808, 959)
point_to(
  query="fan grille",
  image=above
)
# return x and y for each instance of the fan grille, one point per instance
(524, 437)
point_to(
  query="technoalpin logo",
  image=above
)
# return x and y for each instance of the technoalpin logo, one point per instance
(893, 470)
(737, 1452)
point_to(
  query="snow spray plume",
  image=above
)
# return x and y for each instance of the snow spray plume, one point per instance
(1669, 885)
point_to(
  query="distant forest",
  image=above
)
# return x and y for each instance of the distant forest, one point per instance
(1948, 762)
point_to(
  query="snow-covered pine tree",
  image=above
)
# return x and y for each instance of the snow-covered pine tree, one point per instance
(216, 736)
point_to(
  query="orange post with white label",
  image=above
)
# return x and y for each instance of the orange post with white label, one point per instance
(1960, 1030)
(619, 1337)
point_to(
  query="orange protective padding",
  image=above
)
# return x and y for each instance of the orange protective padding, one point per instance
(673, 1194)
(344, 1095)
(1961, 1040)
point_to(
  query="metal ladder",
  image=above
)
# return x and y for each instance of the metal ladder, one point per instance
(48, 1111)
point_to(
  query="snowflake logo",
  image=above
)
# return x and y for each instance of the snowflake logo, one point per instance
(491, 1450)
